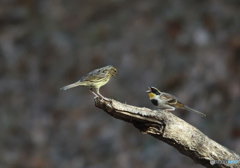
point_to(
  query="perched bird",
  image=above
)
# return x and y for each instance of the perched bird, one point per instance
(95, 79)
(167, 101)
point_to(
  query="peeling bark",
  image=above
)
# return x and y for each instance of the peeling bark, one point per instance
(167, 127)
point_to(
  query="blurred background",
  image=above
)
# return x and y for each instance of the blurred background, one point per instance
(187, 48)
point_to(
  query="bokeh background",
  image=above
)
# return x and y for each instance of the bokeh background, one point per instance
(188, 48)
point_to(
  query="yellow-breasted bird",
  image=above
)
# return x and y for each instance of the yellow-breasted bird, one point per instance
(167, 101)
(95, 79)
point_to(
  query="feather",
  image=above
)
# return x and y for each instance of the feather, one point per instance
(195, 111)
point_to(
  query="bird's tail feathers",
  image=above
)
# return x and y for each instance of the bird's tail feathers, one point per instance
(71, 86)
(195, 111)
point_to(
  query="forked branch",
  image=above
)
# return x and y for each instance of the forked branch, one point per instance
(169, 128)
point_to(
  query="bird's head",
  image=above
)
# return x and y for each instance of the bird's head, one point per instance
(152, 92)
(112, 71)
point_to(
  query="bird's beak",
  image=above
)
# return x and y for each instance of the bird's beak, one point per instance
(149, 90)
(115, 75)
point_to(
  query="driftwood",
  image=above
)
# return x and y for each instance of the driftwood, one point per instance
(167, 127)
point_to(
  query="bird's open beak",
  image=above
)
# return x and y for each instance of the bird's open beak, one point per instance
(149, 90)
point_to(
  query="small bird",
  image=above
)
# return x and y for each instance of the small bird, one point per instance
(95, 79)
(167, 101)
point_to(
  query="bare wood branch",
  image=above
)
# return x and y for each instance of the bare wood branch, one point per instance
(167, 127)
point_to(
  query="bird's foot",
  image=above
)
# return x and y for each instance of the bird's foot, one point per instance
(107, 99)
(96, 95)
(104, 98)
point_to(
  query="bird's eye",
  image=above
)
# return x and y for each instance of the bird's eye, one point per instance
(154, 90)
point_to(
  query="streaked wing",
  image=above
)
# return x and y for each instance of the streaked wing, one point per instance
(171, 100)
(167, 97)
(93, 76)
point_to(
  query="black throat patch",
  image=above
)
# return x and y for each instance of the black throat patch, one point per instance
(154, 102)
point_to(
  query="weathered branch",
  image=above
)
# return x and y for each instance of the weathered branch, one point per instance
(167, 127)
